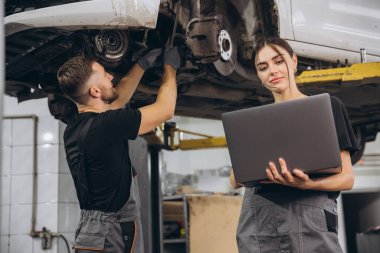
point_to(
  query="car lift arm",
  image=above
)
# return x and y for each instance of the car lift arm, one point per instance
(170, 137)
(356, 74)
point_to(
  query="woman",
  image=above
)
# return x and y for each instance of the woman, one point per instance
(293, 212)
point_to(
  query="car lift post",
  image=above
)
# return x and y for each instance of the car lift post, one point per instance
(155, 191)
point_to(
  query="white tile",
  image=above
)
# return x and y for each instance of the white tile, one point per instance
(9, 105)
(22, 160)
(47, 216)
(5, 190)
(48, 130)
(21, 219)
(373, 147)
(4, 244)
(47, 188)
(35, 106)
(48, 159)
(22, 133)
(68, 217)
(67, 191)
(20, 244)
(7, 132)
(21, 189)
(62, 248)
(6, 158)
(4, 222)
(54, 247)
(63, 166)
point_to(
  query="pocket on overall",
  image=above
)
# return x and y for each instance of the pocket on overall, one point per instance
(91, 236)
(312, 218)
(128, 230)
(331, 221)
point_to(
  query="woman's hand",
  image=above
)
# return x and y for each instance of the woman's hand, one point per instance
(334, 182)
(297, 179)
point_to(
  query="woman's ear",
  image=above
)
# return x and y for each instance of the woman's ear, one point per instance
(295, 62)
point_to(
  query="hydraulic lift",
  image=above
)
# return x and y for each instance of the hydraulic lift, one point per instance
(357, 74)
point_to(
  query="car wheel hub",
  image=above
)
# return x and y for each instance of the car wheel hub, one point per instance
(225, 45)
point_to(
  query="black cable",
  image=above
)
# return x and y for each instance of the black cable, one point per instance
(67, 243)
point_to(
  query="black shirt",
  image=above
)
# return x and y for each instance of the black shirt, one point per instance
(106, 155)
(346, 139)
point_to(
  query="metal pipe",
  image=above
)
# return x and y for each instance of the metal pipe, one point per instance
(195, 9)
(171, 40)
(363, 55)
(33, 231)
(2, 53)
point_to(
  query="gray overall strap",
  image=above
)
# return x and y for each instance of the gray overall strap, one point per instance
(82, 190)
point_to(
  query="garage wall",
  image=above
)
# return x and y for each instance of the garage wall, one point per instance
(56, 208)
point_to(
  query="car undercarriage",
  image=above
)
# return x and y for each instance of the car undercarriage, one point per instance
(217, 39)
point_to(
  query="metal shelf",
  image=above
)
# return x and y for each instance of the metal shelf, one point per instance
(179, 240)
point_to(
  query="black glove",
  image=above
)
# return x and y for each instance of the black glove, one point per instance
(172, 57)
(149, 59)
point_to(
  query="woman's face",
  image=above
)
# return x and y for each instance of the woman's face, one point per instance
(273, 68)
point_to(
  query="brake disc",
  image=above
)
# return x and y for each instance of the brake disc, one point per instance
(211, 41)
(228, 53)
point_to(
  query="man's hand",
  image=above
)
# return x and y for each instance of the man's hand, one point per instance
(172, 57)
(298, 179)
(149, 59)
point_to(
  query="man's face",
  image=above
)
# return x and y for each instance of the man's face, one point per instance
(103, 81)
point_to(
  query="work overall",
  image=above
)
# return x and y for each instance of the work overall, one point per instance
(296, 221)
(111, 232)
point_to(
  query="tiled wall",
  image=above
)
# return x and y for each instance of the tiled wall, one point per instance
(57, 208)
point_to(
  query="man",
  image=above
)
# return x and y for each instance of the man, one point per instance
(96, 143)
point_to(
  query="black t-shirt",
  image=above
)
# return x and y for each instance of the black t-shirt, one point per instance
(346, 139)
(106, 153)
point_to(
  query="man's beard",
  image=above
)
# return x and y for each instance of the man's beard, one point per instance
(110, 95)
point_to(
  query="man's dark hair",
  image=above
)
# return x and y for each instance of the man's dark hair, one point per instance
(72, 75)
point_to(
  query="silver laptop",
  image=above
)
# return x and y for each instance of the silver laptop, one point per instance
(301, 131)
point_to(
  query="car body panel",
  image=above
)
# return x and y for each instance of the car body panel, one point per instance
(285, 20)
(338, 25)
(95, 14)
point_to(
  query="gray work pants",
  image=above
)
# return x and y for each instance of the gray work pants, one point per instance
(112, 232)
(285, 222)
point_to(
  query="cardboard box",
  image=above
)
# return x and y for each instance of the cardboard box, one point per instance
(213, 223)
(172, 211)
